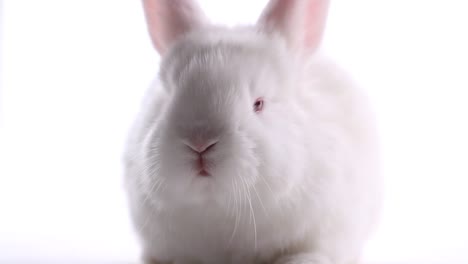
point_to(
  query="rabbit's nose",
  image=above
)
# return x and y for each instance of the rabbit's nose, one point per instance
(201, 147)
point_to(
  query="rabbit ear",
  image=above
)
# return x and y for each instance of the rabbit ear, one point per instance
(169, 19)
(300, 22)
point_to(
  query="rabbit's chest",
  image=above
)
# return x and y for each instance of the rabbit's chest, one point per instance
(195, 237)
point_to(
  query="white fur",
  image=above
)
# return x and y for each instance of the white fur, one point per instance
(296, 183)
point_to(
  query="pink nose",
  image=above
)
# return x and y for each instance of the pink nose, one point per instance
(201, 147)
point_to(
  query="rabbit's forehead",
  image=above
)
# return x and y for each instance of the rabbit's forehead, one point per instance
(219, 64)
(221, 48)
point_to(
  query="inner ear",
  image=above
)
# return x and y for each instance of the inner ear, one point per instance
(168, 20)
(300, 22)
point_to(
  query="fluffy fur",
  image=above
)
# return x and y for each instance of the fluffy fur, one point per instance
(295, 183)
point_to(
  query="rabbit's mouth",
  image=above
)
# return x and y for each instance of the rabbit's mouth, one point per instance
(203, 173)
(201, 166)
(201, 150)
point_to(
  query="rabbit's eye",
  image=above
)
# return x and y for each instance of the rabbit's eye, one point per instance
(258, 105)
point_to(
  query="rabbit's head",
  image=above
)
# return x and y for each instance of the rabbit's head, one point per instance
(233, 117)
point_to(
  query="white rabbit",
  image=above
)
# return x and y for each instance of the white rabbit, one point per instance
(251, 147)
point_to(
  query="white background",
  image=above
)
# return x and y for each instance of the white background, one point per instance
(73, 72)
